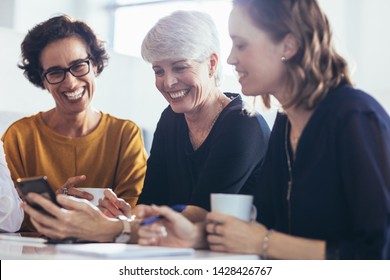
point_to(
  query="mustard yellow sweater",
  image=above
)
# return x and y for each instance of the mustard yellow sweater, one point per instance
(112, 156)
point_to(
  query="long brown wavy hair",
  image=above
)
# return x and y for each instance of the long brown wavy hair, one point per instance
(316, 67)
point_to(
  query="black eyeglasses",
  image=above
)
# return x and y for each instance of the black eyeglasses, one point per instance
(58, 75)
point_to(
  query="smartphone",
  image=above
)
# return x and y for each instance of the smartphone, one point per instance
(38, 185)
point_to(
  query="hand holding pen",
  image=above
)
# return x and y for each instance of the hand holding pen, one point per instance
(150, 220)
(175, 231)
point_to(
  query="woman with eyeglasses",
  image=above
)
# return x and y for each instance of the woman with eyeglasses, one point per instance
(73, 142)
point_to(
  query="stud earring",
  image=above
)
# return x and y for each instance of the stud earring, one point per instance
(283, 59)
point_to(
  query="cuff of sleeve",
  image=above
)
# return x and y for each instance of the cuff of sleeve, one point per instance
(332, 251)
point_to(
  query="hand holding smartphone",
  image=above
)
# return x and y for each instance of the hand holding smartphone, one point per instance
(41, 186)
(38, 185)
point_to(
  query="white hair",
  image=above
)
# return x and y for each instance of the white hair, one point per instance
(188, 35)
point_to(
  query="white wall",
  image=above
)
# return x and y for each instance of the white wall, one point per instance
(16, 93)
(361, 31)
(126, 89)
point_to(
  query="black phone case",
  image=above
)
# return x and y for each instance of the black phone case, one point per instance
(38, 185)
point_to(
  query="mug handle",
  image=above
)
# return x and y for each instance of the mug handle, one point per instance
(253, 214)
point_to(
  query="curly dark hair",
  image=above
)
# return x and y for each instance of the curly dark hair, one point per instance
(51, 30)
(316, 67)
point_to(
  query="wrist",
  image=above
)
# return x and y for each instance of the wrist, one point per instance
(198, 238)
(106, 231)
(265, 244)
(125, 234)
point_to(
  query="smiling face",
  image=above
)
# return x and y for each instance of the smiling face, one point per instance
(256, 57)
(185, 84)
(74, 94)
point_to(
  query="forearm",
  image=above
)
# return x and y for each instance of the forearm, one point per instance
(194, 213)
(199, 238)
(283, 246)
(106, 231)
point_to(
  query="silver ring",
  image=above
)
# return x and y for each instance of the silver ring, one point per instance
(65, 191)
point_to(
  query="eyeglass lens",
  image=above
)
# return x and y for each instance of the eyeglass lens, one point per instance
(58, 75)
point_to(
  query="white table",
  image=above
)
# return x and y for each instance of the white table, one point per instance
(12, 250)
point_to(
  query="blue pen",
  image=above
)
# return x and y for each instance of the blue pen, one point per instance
(151, 220)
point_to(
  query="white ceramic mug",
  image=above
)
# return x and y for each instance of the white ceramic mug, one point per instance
(96, 192)
(237, 205)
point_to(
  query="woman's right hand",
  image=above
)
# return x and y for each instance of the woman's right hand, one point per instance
(173, 230)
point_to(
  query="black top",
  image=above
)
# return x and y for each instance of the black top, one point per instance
(341, 177)
(225, 163)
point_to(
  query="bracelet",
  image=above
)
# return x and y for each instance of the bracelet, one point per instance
(125, 235)
(265, 245)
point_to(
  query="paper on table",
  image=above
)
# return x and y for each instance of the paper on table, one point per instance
(21, 239)
(122, 251)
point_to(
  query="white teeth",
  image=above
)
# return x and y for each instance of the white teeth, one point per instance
(178, 94)
(240, 74)
(75, 94)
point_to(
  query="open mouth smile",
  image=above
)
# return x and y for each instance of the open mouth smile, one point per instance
(179, 94)
(74, 95)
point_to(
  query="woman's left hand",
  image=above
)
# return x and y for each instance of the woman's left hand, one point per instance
(229, 234)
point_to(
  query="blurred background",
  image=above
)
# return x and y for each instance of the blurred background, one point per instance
(126, 87)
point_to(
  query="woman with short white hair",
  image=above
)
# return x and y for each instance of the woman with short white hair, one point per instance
(205, 141)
